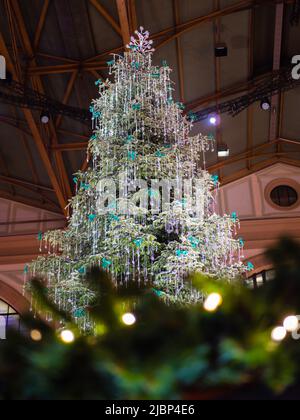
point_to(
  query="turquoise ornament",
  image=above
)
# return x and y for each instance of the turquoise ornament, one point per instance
(40, 236)
(180, 106)
(138, 242)
(192, 116)
(85, 186)
(132, 156)
(135, 65)
(79, 313)
(215, 179)
(242, 242)
(234, 216)
(158, 293)
(160, 154)
(184, 202)
(94, 137)
(250, 266)
(180, 253)
(136, 107)
(95, 114)
(165, 63)
(111, 63)
(81, 270)
(194, 241)
(114, 218)
(98, 82)
(75, 180)
(26, 269)
(92, 217)
(106, 263)
(130, 138)
(155, 75)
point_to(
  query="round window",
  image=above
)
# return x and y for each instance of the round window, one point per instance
(284, 196)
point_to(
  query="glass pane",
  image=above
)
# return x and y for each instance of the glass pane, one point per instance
(9, 318)
(2, 328)
(12, 310)
(13, 322)
(284, 196)
(3, 308)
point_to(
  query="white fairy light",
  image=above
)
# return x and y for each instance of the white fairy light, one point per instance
(129, 319)
(67, 337)
(213, 302)
(291, 323)
(278, 334)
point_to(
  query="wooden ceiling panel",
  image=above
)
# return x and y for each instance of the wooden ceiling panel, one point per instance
(198, 59)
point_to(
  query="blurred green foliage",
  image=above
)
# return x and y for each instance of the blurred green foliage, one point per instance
(171, 352)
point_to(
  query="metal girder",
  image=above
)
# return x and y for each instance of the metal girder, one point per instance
(35, 132)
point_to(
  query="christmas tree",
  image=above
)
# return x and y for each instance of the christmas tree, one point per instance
(145, 210)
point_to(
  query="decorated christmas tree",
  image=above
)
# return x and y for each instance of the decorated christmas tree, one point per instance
(145, 210)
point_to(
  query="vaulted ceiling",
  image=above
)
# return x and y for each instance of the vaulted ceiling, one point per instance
(60, 47)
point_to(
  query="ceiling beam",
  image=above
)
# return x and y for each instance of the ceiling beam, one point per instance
(35, 132)
(39, 204)
(226, 93)
(22, 183)
(67, 95)
(65, 68)
(124, 21)
(191, 24)
(275, 108)
(132, 16)
(70, 146)
(104, 13)
(41, 24)
(65, 189)
(250, 110)
(176, 7)
(235, 8)
(254, 152)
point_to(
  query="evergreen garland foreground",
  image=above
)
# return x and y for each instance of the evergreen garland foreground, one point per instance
(170, 352)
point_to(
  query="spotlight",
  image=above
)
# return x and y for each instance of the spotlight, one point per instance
(223, 151)
(45, 117)
(221, 50)
(265, 105)
(214, 119)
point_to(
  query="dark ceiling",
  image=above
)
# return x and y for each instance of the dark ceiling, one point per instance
(60, 47)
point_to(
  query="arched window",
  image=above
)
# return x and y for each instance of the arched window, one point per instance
(9, 318)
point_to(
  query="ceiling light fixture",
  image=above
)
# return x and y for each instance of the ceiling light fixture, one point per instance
(265, 105)
(45, 117)
(223, 150)
(221, 50)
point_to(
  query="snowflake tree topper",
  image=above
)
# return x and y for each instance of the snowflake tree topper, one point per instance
(142, 42)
